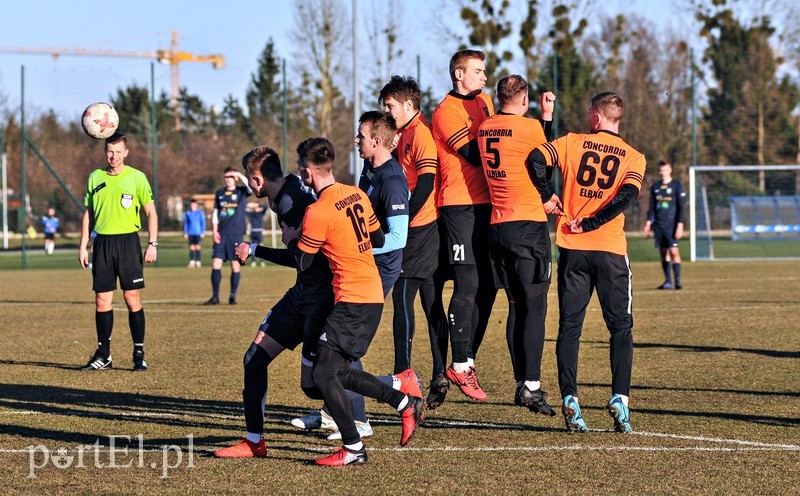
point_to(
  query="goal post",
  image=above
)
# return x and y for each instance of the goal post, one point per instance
(744, 212)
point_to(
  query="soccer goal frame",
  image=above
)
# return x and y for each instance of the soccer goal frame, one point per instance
(700, 223)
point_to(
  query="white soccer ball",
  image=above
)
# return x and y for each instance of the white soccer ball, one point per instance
(100, 120)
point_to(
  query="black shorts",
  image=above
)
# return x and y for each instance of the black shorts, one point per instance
(256, 236)
(582, 272)
(49, 235)
(195, 239)
(466, 228)
(350, 328)
(421, 254)
(664, 238)
(294, 320)
(117, 256)
(520, 253)
(226, 248)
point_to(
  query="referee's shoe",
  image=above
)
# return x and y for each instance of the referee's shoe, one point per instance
(97, 362)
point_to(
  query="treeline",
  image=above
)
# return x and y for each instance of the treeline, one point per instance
(739, 76)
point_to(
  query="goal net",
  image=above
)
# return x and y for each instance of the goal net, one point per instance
(744, 212)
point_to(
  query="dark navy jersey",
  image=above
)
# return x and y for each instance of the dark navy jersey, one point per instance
(666, 204)
(256, 218)
(230, 206)
(290, 205)
(387, 189)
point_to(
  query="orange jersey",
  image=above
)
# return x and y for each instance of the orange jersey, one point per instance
(416, 152)
(338, 224)
(455, 123)
(594, 167)
(505, 141)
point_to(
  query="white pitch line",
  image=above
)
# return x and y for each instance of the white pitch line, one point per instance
(452, 449)
(755, 445)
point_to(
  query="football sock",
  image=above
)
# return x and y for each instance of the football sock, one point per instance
(105, 323)
(355, 447)
(253, 437)
(459, 313)
(676, 270)
(136, 324)
(216, 277)
(665, 267)
(254, 394)
(358, 404)
(533, 385)
(460, 367)
(624, 399)
(235, 276)
(191, 256)
(403, 404)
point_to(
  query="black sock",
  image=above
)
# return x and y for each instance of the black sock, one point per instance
(235, 276)
(216, 277)
(676, 269)
(191, 255)
(197, 255)
(105, 323)
(254, 394)
(665, 267)
(136, 323)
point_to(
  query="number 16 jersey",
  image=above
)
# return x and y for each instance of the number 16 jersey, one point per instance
(594, 167)
(339, 224)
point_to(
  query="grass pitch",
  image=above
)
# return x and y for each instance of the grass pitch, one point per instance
(715, 402)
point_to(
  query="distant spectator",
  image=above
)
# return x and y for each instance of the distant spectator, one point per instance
(194, 229)
(50, 223)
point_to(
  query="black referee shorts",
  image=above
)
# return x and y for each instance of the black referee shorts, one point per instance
(117, 256)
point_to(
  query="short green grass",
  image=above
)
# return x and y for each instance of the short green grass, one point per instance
(715, 403)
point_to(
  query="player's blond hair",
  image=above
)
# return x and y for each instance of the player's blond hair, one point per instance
(264, 160)
(459, 60)
(609, 105)
(381, 125)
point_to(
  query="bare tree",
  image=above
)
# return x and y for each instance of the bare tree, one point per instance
(322, 40)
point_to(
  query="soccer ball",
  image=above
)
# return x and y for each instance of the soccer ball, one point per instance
(100, 120)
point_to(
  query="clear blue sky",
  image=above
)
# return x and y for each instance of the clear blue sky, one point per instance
(238, 29)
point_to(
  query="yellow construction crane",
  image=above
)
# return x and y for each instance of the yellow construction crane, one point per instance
(172, 56)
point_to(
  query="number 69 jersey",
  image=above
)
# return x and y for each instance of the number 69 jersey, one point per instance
(594, 167)
(339, 224)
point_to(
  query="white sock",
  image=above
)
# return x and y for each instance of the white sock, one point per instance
(460, 367)
(624, 399)
(253, 437)
(355, 447)
(402, 404)
(471, 362)
(533, 385)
